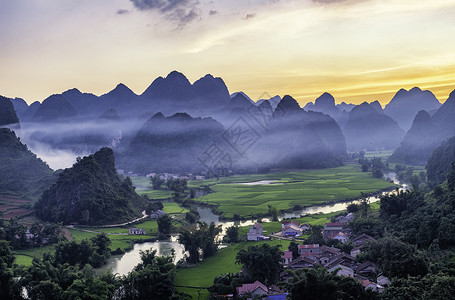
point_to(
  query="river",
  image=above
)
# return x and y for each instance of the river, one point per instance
(122, 264)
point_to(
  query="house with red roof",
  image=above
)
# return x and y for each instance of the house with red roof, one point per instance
(331, 228)
(369, 285)
(287, 257)
(311, 248)
(254, 289)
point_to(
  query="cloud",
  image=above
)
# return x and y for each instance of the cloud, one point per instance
(250, 16)
(123, 11)
(180, 11)
(213, 12)
(328, 1)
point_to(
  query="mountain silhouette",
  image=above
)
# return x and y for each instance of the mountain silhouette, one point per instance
(406, 104)
(369, 129)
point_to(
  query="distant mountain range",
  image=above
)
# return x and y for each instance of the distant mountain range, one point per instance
(427, 132)
(83, 122)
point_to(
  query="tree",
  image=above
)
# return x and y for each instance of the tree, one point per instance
(352, 208)
(153, 278)
(273, 212)
(319, 284)
(156, 182)
(261, 263)
(8, 287)
(377, 173)
(199, 241)
(73, 253)
(102, 252)
(153, 206)
(395, 258)
(294, 248)
(164, 224)
(232, 234)
(315, 235)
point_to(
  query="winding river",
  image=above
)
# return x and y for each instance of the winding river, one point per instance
(122, 264)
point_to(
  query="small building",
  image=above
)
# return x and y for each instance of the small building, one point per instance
(359, 240)
(287, 223)
(157, 214)
(302, 262)
(255, 232)
(287, 257)
(313, 256)
(341, 259)
(291, 230)
(342, 271)
(382, 280)
(367, 267)
(369, 285)
(340, 236)
(137, 231)
(254, 289)
(345, 219)
(355, 251)
(331, 228)
(311, 248)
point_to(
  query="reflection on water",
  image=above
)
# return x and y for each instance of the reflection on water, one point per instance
(262, 182)
(122, 264)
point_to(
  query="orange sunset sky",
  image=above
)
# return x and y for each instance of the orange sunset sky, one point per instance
(358, 50)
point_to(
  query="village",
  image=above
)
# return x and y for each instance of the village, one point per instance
(312, 256)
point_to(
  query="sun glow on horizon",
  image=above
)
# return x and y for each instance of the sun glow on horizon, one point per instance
(357, 50)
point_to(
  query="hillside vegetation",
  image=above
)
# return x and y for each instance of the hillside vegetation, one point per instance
(91, 192)
(21, 172)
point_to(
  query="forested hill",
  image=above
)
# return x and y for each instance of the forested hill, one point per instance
(91, 192)
(21, 172)
(7, 112)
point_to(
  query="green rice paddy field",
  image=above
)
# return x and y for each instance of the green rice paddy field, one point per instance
(304, 188)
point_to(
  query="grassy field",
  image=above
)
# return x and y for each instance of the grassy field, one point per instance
(143, 187)
(25, 256)
(223, 262)
(304, 188)
(384, 154)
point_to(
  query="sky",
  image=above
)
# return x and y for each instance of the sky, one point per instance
(357, 50)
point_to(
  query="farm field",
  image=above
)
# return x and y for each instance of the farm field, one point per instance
(12, 206)
(221, 263)
(304, 188)
(143, 187)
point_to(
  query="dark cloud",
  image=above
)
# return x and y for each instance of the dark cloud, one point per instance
(213, 12)
(250, 16)
(123, 11)
(180, 11)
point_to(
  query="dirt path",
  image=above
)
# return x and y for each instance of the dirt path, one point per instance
(144, 215)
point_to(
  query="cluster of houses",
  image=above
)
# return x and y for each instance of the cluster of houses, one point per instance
(315, 255)
(332, 258)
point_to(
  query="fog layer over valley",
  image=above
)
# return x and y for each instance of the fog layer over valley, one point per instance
(183, 127)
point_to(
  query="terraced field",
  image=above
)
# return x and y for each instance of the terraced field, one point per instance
(12, 206)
